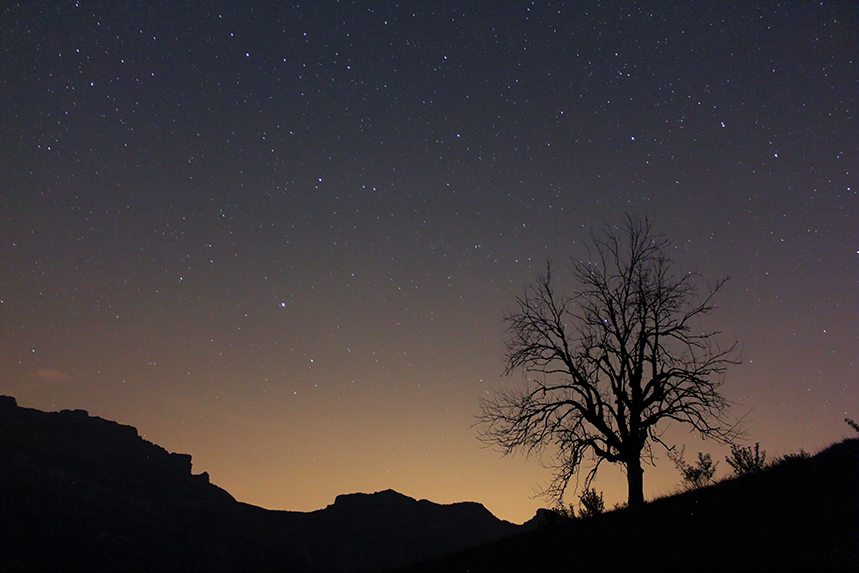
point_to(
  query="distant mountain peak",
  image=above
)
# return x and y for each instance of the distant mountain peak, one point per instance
(385, 495)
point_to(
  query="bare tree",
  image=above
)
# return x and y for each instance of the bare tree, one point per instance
(607, 368)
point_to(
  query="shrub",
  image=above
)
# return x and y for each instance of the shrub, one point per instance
(591, 503)
(698, 475)
(564, 511)
(702, 472)
(746, 460)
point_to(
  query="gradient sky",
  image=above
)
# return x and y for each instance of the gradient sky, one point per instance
(281, 237)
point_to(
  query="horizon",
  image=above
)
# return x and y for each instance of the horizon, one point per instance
(282, 238)
(680, 488)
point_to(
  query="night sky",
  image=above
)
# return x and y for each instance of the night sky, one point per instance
(281, 238)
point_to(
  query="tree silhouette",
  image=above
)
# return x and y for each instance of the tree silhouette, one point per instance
(606, 368)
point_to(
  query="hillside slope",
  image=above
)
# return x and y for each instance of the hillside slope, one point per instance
(801, 514)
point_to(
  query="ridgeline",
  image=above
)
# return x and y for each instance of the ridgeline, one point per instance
(81, 493)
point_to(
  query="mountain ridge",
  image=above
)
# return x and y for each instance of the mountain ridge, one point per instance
(81, 492)
(78, 492)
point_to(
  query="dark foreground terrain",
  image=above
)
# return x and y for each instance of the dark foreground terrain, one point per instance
(81, 493)
(799, 514)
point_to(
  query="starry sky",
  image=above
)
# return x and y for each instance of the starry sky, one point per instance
(281, 237)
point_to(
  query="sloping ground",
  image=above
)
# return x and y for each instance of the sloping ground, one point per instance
(802, 514)
(81, 493)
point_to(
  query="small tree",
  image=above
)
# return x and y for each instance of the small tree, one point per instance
(698, 475)
(608, 367)
(591, 503)
(744, 460)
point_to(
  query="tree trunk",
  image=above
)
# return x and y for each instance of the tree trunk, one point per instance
(635, 480)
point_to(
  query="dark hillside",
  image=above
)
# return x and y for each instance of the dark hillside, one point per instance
(81, 493)
(802, 514)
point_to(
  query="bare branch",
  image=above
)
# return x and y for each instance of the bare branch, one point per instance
(610, 364)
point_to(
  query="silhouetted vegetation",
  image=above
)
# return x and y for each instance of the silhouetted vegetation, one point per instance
(745, 460)
(788, 458)
(700, 474)
(611, 363)
(852, 424)
(801, 514)
(591, 503)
